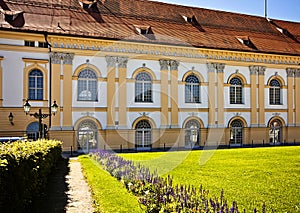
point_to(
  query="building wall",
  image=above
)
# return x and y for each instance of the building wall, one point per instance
(116, 116)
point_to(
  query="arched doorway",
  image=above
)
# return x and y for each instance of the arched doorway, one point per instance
(143, 135)
(275, 132)
(192, 134)
(32, 131)
(87, 139)
(236, 133)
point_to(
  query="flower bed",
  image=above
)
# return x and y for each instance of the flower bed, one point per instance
(159, 194)
(24, 168)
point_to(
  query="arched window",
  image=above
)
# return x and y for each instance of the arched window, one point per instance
(36, 85)
(87, 86)
(236, 91)
(275, 131)
(143, 135)
(192, 133)
(87, 136)
(236, 133)
(274, 92)
(143, 87)
(192, 89)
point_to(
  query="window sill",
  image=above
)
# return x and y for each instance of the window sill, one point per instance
(87, 101)
(141, 102)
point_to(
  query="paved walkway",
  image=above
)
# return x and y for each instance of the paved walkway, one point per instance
(67, 191)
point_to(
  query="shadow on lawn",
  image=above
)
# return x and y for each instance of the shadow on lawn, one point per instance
(54, 198)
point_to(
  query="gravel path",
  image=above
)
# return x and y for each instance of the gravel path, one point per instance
(66, 191)
(79, 196)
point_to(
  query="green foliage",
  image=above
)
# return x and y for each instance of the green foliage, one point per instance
(159, 194)
(24, 168)
(252, 177)
(108, 193)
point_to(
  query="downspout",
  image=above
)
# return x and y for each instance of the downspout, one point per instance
(50, 78)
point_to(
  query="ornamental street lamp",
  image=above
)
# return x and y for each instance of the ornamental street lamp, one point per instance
(39, 115)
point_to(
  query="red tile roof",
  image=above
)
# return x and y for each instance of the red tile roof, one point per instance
(117, 19)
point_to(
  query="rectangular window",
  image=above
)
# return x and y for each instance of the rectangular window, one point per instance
(29, 43)
(148, 92)
(188, 94)
(275, 96)
(138, 92)
(43, 44)
(236, 95)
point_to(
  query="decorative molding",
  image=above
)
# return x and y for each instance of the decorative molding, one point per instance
(253, 70)
(91, 114)
(163, 64)
(35, 61)
(194, 114)
(174, 64)
(290, 72)
(55, 57)
(171, 51)
(68, 58)
(218, 67)
(122, 62)
(257, 69)
(144, 113)
(111, 61)
(210, 67)
(297, 73)
(237, 114)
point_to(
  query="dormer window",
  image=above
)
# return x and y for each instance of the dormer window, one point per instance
(10, 15)
(188, 19)
(193, 21)
(246, 41)
(86, 4)
(143, 30)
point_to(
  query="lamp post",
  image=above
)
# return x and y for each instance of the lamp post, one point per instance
(39, 115)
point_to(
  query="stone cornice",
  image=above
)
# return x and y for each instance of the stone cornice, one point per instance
(128, 48)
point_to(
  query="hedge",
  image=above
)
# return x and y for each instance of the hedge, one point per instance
(24, 169)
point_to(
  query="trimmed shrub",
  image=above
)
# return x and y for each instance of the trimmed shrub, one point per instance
(24, 169)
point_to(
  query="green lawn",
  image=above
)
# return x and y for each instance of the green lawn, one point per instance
(110, 196)
(249, 176)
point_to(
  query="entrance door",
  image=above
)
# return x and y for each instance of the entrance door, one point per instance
(236, 133)
(143, 135)
(87, 137)
(192, 134)
(275, 132)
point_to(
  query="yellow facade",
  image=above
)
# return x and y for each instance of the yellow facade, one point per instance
(169, 126)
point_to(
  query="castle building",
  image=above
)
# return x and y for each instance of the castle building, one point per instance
(137, 74)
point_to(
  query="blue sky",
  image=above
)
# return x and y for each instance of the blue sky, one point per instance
(277, 9)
